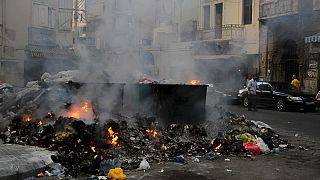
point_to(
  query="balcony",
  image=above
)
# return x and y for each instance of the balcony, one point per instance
(226, 32)
(277, 8)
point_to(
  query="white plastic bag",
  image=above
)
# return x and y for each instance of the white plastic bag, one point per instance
(144, 165)
(262, 145)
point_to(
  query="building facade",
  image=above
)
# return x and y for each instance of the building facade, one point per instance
(289, 41)
(215, 39)
(37, 40)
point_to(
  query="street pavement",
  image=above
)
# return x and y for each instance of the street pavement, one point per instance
(17, 162)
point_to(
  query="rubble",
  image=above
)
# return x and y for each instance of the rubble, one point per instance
(88, 146)
(89, 149)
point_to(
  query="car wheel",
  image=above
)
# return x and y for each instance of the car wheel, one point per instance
(245, 102)
(281, 105)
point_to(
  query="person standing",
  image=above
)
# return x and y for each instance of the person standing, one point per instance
(295, 83)
(252, 93)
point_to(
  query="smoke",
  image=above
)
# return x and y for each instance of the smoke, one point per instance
(122, 34)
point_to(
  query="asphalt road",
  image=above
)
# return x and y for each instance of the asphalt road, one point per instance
(302, 123)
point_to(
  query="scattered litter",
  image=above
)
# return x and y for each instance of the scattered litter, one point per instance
(226, 159)
(162, 170)
(195, 159)
(252, 149)
(179, 159)
(116, 173)
(304, 148)
(229, 170)
(211, 155)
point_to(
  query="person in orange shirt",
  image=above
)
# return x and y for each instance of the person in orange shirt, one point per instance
(295, 83)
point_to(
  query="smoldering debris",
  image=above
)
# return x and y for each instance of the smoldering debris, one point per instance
(94, 149)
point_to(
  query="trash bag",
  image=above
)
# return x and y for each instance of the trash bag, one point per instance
(211, 155)
(56, 169)
(252, 149)
(179, 159)
(144, 165)
(116, 173)
(247, 138)
(262, 145)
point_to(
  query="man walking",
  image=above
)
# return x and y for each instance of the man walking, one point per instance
(252, 92)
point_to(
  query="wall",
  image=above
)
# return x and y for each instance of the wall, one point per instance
(12, 70)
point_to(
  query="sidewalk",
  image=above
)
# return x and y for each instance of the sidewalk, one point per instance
(18, 162)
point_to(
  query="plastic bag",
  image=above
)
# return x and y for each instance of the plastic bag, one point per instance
(247, 138)
(262, 145)
(144, 165)
(116, 173)
(252, 149)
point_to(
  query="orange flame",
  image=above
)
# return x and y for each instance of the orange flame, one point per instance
(195, 82)
(27, 118)
(50, 115)
(217, 146)
(80, 110)
(93, 149)
(85, 106)
(40, 123)
(153, 133)
(114, 136)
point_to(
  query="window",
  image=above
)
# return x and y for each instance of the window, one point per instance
(265, 87)
(247, 15)
(91, 41)
(206, 17)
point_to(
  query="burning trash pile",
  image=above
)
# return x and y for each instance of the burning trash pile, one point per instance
(106, 148)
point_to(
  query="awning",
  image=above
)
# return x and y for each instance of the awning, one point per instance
(218, 57)
(43, 51)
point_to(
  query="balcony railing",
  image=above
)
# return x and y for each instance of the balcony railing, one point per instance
(226, 32)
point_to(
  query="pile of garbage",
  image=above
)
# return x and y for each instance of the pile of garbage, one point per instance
(18, 101)
(98, 148)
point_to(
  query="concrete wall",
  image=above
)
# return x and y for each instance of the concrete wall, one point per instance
(12, 64)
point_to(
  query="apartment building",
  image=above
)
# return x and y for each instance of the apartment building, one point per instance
(289, 42)
(219, 38)
(36, 37)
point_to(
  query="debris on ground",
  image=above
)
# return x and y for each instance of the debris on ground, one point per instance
(87, 145)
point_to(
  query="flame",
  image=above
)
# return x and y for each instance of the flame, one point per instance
(195, 82)
(50, 115)
(93, 149)
(80, 110)
(217, 146)
(40, 123)
(114, 136)
(153, 133)
(27, 118)
(85, 107)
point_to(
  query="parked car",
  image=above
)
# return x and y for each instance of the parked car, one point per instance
(317, 100)
(280, 96)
